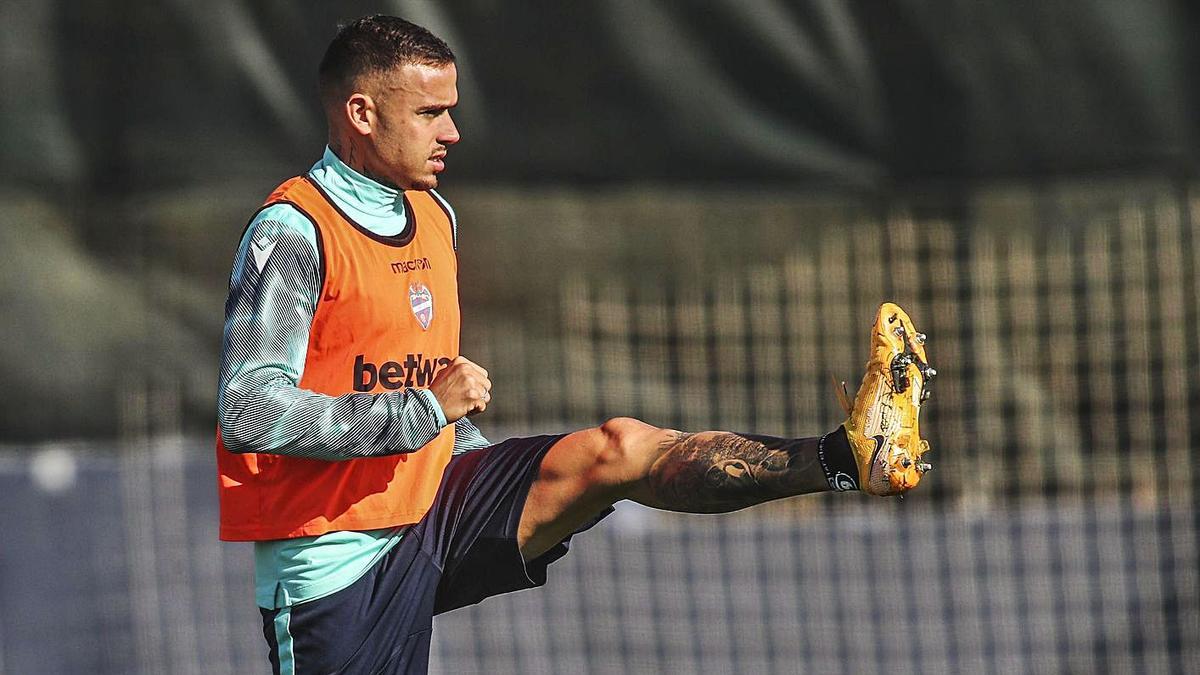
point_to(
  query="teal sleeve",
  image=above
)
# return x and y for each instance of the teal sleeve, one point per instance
(468, 437)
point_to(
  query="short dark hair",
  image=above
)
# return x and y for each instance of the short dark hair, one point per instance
(376, 44)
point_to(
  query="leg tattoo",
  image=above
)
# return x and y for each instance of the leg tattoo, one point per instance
(716, 472)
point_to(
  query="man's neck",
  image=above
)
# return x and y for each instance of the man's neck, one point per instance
(368, 202)
(353, 153)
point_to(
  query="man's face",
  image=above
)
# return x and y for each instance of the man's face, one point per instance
(413, 125)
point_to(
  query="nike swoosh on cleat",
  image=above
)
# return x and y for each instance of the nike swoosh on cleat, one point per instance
(878, 446)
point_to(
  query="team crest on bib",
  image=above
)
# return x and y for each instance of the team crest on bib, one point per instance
(422, 303)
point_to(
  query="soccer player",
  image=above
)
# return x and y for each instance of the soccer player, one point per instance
(345, 447)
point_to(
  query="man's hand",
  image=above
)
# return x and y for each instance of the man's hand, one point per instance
(462, 389)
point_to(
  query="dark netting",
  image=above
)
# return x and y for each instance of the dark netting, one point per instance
(1057, 532)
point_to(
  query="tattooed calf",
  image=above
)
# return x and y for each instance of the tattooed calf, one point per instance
(714, 472)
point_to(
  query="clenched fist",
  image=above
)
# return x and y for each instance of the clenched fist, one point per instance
(462, 389)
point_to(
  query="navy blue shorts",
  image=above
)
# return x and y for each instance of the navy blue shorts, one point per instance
(462, 551)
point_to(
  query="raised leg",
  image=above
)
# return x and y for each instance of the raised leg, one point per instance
(878, 449)
(706, 472)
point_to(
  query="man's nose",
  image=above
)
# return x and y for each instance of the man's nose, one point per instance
(449, 134)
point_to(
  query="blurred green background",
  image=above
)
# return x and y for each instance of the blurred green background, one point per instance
(683, 211)
(647, 141)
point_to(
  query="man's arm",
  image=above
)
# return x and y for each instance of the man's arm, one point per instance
(272, 297)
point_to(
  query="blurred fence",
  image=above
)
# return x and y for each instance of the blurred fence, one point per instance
(1058, 532)
(1067, 354)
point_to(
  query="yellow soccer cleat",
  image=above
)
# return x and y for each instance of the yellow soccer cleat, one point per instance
(882, 424)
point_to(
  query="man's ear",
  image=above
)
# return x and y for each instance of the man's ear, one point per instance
(360, 113)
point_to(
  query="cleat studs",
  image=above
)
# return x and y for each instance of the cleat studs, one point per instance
(906, 462)
(927, 374)
(899, 372)
(924, 466)
(920, 338)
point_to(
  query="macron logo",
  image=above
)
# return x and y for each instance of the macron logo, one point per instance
(262, 251)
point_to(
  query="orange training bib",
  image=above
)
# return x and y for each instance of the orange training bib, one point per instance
(387, 319)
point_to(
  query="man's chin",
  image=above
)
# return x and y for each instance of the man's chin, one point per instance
(427, 183)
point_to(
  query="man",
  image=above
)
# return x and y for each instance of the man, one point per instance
(345, 449)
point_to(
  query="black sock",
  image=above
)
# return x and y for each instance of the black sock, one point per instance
(837, 460)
